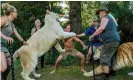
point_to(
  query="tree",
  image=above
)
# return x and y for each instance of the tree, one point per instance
(88, 12)
(75, 16)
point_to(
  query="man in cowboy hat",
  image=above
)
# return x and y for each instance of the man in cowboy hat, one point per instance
(96, 43)
(110, 38)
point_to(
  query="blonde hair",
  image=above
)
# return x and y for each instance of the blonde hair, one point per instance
(37, 20)
(8, 8)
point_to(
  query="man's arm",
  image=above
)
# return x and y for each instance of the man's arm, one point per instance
(85, 33)
(103, 25)
(81, 35)
(80, 41)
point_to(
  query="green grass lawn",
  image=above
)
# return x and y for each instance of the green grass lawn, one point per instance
(69, 73)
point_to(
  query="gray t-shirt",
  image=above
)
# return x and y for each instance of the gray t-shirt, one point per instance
(7, 31)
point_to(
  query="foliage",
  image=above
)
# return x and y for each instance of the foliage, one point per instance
(75, 16)
(123, 11)
(88, 12)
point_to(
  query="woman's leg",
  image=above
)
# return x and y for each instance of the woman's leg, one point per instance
(6, 72)
(3, 62)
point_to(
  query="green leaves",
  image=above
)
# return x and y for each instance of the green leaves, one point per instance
(123, 12)
(88, 11)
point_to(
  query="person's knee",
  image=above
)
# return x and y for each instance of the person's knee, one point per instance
(3, 62)
(59, 59)
(3, 68)
(82, 57)
(8, 61)
(104, 62)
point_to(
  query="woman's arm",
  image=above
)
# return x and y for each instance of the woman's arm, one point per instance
(9, 39)
(18, 36)
(3, 22)
(2, 35)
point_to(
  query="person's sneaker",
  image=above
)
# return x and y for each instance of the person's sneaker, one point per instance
(130, 73)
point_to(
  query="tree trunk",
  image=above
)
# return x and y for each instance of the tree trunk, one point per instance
(75, 16)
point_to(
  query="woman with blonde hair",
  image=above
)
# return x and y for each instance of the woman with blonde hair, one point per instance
(7, 29)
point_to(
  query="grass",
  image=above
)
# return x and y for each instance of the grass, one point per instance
(68, 73)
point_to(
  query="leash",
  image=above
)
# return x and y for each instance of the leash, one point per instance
(93, 61)
(12, 63)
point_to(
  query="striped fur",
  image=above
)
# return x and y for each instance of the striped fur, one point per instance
(124, 59)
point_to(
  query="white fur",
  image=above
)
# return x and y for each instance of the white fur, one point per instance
(97, 54)
(39, 43)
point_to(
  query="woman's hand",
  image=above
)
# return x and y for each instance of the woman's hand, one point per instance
(9, 40)
(24, 43)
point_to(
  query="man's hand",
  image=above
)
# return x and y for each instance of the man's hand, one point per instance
(81, 35)
(91, 38)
